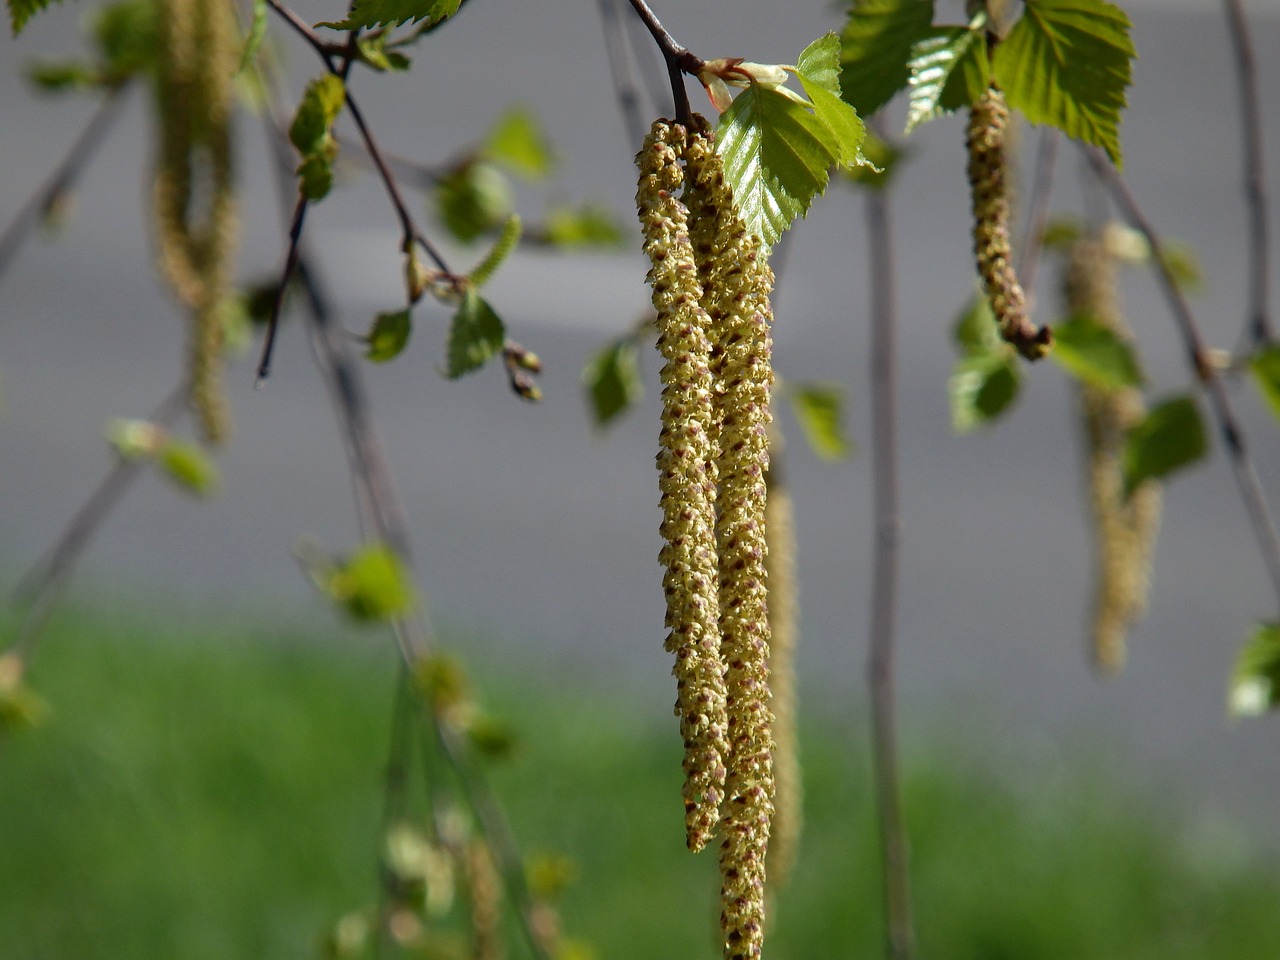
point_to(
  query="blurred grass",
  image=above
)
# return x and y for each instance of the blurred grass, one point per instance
(216, 793)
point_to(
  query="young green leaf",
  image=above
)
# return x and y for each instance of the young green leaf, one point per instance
(1255, 682)
(372, 584)
(373, 51)
(820, 62)
(320, 105)
(1265, 367)
(612, 379)
(187, 465)
(475, 335)
(776, 158)
(1067, 63)
(519, 144)
(875, 47)
(949, 70)
(20, 11)
(819, 408)
(1092, 352)
(474, 199)
(975, 332)
(366, 14)
(499, 252)
(389, 336)
(315, 175)
(1170, 437)
(982, 387)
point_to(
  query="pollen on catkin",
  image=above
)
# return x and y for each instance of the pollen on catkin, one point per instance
(736, 283)
(686, 467)
(193, 197)
(1124, 528)
(993, 252)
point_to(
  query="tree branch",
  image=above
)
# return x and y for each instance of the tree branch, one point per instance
(679, 61)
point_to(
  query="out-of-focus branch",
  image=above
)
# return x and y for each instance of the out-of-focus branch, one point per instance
(1038, 209)
(625, 89)
(1198, 358)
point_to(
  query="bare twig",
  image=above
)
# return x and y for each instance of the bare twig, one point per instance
(1199, 360)
(64, 175)
(679, 61)
(42, 587)
(899, 930)
(290, 265)
(625, 88)
(1255, 179)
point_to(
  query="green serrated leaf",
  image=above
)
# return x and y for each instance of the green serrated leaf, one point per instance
(518, 143)
(475, 335)
(982, 387)
(473, 200)
(612, 379)
(820, 62)
(590, 225)
(372, 585)
(776, 159)
(843, 121)
(883, 159)
(388, 336)
(975, 332)
(819, 409)
(1170, 437)
(1265, 367)
(366, 14)
(187, 465)
(949, 69)
(1067, 63)
(257, 32)
(1092, 352)
(321, 103)
(1255, 681)
(875, 47)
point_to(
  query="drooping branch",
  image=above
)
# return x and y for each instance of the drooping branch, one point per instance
(1201, 363)
(1255, 178)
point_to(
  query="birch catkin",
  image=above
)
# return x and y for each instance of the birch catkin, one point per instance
(736, 286)
(193, 203)
(1124, 528)
(993, 252)
(687, 479)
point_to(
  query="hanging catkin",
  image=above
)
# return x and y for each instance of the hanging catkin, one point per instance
(193, 196)
(989, 189)
(737, 282)
(687, 479)
(1124, 529)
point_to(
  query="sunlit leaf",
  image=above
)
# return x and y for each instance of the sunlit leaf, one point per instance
(518, 142)
(1170, 437)
(875, 47)
(1092, 352)
(1265, 367)
(1255, 682)
(1067, 63)
(187, 465)
(392, 13)
(949, 70)
(372, 584)
(820, 62)
(982, 387)
(475, 335)
(612, 379)
(819, 409)
(883, 160)
(389, 335)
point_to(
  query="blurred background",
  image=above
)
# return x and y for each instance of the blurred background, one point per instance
(536, 534)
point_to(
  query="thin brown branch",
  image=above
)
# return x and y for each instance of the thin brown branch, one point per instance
(286, 275)
(625, 89)
(678, 58)
(899, 929)
(64, 176)
(1255, 178)
(1201, 363)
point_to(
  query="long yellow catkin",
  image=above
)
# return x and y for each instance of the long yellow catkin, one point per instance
(1124, 529)
(194, 209)
(737, 282)
(993, 252)
(687, 479)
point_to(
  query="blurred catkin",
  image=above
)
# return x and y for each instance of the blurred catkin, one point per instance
(993, 251)
(736, 283)
(1124, 528)
(193, 198)
(484, 889)
(686, 468)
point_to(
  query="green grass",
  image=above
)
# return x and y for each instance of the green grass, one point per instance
(218, 796)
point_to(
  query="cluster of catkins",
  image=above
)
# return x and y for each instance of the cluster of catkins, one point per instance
(989, 191)
(1125, 523)
(193, 198)
(711, 286)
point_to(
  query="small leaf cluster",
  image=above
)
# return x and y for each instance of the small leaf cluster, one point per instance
(1065, 63)
(311, 133)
